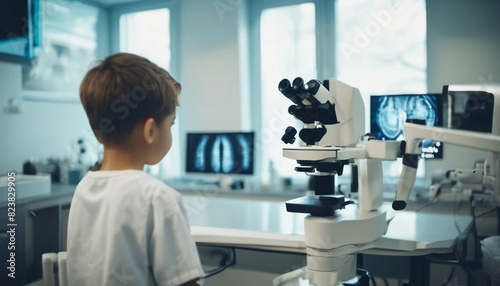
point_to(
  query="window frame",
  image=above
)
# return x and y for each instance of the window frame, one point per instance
(325, 57)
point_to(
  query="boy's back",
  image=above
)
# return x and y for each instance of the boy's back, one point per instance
(122, 232)
(126, 227)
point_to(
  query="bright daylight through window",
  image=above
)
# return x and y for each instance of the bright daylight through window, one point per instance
(288, 49)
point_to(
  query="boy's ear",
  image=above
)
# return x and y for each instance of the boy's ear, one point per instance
(149, 130)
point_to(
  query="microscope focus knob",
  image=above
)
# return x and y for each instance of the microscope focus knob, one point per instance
(289, 136)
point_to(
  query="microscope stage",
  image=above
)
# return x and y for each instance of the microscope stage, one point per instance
(324, 205)
(317, 153)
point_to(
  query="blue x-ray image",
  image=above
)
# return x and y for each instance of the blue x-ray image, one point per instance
(222, 155)
(388, 113)
(225, 153)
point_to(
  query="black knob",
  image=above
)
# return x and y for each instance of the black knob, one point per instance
(289, 136)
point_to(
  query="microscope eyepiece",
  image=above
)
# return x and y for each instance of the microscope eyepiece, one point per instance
(285, 87)
(287, 90)
(312, 101)
(298, 84)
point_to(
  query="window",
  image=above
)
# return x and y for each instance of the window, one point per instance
(382, 50)
(147, 34)
(381, 46)
(378, 46)
(288, 50)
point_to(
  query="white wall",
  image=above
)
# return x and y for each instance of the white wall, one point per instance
(43, 130)
(212, 70)
(463, 44)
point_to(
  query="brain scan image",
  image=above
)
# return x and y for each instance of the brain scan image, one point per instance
(422, 107)
(390, 112)
(389, 117)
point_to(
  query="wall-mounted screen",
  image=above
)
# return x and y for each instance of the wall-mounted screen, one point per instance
(388, 113)
(19, 29)
(221, 153)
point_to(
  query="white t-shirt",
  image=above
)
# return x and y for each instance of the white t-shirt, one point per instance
(128, 228)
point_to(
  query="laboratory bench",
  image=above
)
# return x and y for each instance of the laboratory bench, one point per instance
(40, 227)
(254, 222)
(406, 250)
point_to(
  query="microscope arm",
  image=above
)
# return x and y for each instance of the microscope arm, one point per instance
(415, 133)
(478, 140)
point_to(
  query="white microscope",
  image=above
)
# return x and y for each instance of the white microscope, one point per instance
(336, 229)
(332, 137)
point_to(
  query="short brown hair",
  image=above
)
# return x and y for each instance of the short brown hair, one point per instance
(122, 91)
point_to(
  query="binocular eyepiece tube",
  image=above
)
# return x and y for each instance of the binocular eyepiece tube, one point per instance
(287, 90)
(312, 93)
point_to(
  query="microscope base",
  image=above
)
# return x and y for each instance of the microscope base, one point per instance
(349, 230)
(299, 277)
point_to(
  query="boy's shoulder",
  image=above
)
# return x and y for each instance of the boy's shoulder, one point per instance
(129, 181)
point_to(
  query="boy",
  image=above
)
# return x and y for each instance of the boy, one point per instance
(126, 227)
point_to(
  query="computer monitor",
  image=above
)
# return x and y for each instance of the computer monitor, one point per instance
(220, 153)
(388, 113)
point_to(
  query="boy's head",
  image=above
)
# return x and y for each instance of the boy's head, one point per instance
(123, 91)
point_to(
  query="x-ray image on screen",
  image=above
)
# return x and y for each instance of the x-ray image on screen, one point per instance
(224, 153)
(388, 113)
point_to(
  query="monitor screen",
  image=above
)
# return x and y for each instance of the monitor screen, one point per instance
(388, 113)
(470, 109)
(220, 153)
(19, 28)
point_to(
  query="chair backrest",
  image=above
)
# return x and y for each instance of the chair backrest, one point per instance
(49, 260)
(63, 268)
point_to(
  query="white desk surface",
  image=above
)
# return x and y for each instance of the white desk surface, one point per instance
(265, 224)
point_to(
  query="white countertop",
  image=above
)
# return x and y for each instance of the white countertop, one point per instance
(260, 223)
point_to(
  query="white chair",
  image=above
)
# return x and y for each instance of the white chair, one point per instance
(49, 261)
(63, 268)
